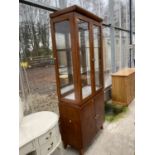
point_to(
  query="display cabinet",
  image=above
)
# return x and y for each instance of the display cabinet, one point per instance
(78, 53)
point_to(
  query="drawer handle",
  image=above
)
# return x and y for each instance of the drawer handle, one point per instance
(46, 138)
(51, 146)
(70, 121)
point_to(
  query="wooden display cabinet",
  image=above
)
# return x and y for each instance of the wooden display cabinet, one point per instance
(78, 52)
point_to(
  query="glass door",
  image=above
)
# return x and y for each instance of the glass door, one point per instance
(85, 67)
(64, 55)
(97, 57)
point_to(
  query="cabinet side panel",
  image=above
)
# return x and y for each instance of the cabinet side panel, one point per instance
(99, 110)
(119, 89)
(133, 85)
(130, 88)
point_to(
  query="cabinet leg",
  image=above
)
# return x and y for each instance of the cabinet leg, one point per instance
(101, 127)
(81, 152)
(65, 145)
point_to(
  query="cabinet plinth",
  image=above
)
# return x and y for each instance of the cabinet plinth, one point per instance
(123, 86)
(78, 53)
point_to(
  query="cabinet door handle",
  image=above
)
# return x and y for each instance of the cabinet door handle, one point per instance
(50, 147)
(70, 121)
(50, 133)
(46, 138)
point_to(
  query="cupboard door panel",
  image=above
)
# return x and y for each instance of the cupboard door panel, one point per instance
(88, 123)
(70, 125)
(71, 132)
(69, 112)
(99, 110)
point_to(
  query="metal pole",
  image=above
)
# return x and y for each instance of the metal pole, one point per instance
(130, 10)
(112, 36)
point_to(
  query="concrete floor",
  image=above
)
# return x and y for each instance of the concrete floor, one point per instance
(117, 138)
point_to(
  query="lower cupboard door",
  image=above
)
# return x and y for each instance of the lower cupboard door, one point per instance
(88, 123)
(71, 132)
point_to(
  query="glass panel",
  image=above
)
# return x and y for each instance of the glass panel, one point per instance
(37, 74)
(97, 57)
(124, 14)
(121, 49)
(117, 13)
(49, 3)
(107, 56)
(133, 38)
(74, 2)
(133, 51)
(121, 13)
(63, 45)
(117, 49)
(98, 7)
(104, 10)
(124, 49)
(84, 58)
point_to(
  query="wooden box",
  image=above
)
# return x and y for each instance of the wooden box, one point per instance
(123, 86)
